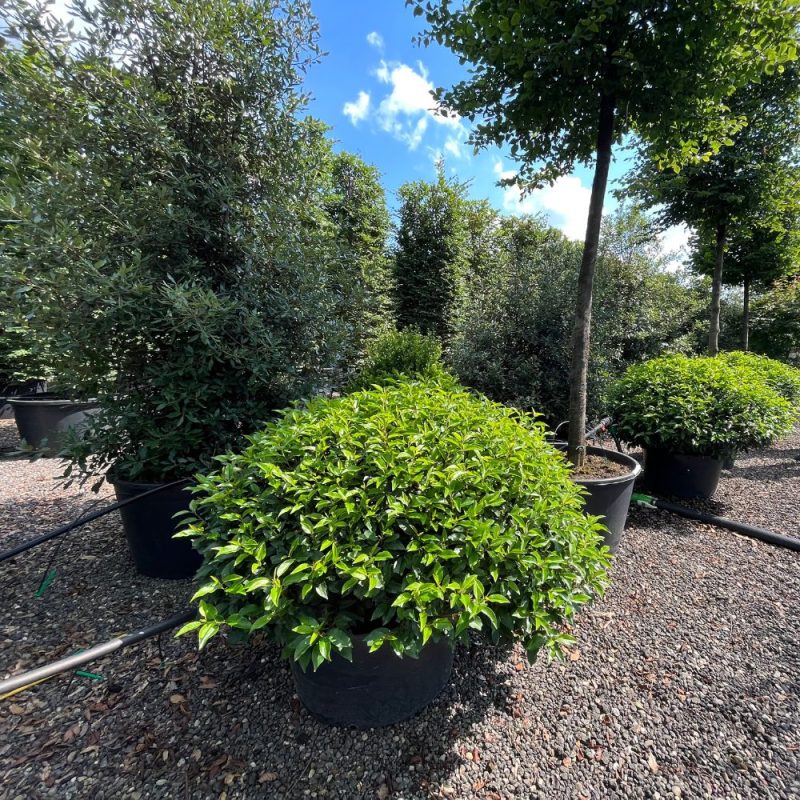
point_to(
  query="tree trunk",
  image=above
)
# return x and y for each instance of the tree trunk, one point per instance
(746, 316)
(716, 291)
(576, 445)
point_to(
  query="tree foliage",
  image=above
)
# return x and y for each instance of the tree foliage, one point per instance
(776, 321)
(168, 242)
(361, 275)
(512, 340)
(429, 253)
(560, 82)
(742, 199)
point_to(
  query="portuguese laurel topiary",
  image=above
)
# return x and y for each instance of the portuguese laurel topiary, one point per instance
(697, 406)
(410, 512)
(782, 378)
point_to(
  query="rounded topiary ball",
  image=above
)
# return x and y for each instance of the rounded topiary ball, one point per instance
(781, 378)
(414, 511)
(697, 406)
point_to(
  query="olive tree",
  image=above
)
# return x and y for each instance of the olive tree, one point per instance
(166, 236)
(559, 82)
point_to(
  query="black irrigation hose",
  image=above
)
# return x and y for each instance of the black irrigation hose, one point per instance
(763, 535)
(17, 682)
(83, 520)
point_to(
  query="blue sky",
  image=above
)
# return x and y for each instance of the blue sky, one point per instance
(373, 90)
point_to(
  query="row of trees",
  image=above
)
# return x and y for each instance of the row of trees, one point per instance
(172, 218)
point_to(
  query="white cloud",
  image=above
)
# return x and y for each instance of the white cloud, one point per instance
(566, 202)
(674, 242)
(358, 109)
(453, 146)
(374, 39)
(410, 105)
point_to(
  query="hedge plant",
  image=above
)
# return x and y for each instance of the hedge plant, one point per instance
(410, 512)
(697, 406)
(782, 378)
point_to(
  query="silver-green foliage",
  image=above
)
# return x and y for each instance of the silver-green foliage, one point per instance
(163, 233)
(697, 406)
(411, 511)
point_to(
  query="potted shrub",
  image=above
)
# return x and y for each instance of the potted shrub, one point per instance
(173, 253)
(368, 534)
(688, 413)
(394, 354)
(782, 378)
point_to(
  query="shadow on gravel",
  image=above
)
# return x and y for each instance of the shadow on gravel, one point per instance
(786, 469)
(20, 522)
(418, 755)
(661, 522)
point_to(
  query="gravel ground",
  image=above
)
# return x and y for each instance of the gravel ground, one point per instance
(684, 681)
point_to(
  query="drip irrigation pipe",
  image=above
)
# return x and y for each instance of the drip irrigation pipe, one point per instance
(83, 520)
(16, 683)
(763, 535)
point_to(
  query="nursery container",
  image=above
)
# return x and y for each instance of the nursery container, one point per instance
(375, 689)
(42, 419)
(609, 498)
(149, 527)
(681, 475)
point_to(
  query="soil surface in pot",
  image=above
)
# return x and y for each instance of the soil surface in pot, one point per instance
(599, 467)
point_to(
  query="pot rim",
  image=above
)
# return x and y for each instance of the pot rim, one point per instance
(78, 405)
(677, 454)
(612, 455)
(115, 480)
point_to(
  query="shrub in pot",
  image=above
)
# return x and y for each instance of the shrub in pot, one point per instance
(175, 256)
(688, 413)
(782, 378)
(370, 533)
(395, 354)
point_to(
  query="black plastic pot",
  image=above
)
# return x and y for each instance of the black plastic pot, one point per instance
(149, 526)
(42, 419)
(12, 390)
(610, 498)
(375, 689)
(681, 475)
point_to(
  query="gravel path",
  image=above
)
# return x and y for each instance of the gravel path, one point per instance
(684, 682)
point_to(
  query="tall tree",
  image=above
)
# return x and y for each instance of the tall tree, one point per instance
(757, 255)
(163, 188)
(748, 185)
(560, 81)
(430, 253)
